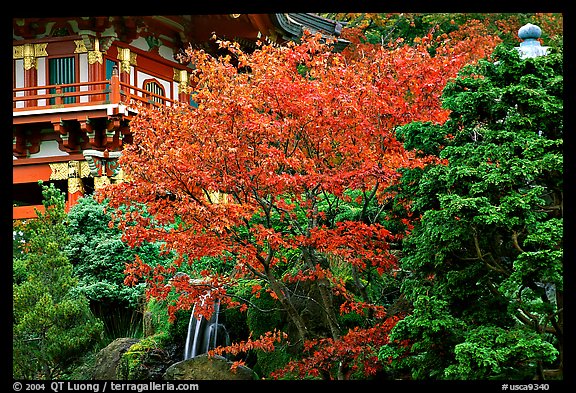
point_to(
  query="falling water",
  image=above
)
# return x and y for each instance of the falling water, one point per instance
(192, 336)
(204, 335)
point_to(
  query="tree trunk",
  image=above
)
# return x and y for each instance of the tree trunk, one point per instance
(280, 290)
(310, 257)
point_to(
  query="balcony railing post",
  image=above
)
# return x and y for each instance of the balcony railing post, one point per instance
(114, 86)
(58, 96)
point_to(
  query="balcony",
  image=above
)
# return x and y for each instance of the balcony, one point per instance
(110, 97)
(76, 117)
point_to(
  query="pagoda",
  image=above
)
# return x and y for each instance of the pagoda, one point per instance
(76, 81)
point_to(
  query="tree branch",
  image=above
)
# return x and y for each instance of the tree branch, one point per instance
(515, 242)
(498, 268)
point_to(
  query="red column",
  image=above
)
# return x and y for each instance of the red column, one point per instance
(31, 80)
(96, 74)
(114, 86)
(124, 73)
(124, 65)
(75, 184)
(75, 191)
(182, 77)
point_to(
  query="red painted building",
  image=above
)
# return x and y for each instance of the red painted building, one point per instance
(75, 80)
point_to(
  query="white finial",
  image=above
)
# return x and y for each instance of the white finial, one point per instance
(530, 46)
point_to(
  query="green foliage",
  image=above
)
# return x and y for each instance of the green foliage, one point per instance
(99, 255)
(351, 320)
(19, 273)
(488, 352)
(426, 138)
(52, 325)
(83, 369)
(178, 329)
(140, 360)
(264, 315)
(234, 319)
(157, 321)
(485, 260)
(18, 238)
(385, 28)
(436, 328)
(213, 264)
(268, 362)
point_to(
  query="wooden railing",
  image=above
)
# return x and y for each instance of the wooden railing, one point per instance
(60, 96)
(130, 94)
(69, 95)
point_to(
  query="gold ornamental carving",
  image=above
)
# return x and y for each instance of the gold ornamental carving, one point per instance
(75, 185)
(127, 59)
(73, 169)
(95, 56)
(101, 181)
(181, 76)
(29, 53)
(67, 170)
(30, 62)
(80, 46)
(59, 171)
(17, 52)
(84, 169)
(93, 49)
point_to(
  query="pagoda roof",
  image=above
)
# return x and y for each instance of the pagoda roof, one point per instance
(179, 31)
(294, 24)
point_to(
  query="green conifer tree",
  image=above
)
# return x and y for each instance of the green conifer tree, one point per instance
(484, 265)
(52, 324)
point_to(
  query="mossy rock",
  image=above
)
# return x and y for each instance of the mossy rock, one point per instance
(108, 359)
(204, 367)
(145, 360)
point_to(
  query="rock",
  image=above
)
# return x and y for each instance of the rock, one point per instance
(203, 367)
(146, 360)
(148, 324)
(108, 358)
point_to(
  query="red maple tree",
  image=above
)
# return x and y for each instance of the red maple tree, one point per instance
(255, 174)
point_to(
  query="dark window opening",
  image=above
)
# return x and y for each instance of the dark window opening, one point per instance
(155, 88)
(88, 183)
(109, 69)
(61, 72)
(30, 194)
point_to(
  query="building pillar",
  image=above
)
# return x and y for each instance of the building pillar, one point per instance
(96, 72)
(30, 79)
(75, 184)
(29, 53)
(115, 86)
(182, 77)
(126, 60)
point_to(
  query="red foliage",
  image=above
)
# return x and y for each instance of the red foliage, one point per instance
(298, 129)
(265, 342)
(356, 351)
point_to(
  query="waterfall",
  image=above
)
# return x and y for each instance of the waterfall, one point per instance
(194, 327)
(203, 334)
